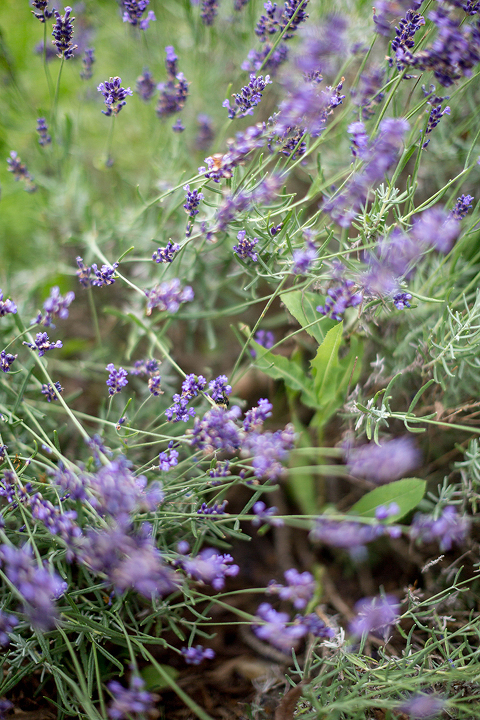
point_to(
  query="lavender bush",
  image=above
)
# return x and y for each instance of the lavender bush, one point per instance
(239, 358)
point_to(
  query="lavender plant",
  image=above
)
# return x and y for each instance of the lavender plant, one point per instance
(262, 359)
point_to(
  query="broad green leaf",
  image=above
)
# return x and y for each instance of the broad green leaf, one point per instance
(279, 367)
(154, 680)
(302, 305)
(325, 365)
(407, 493)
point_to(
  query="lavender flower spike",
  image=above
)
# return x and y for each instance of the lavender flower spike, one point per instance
(42, 130)
(116, 380)
(423, 707)
(6, 306)
(133, 700)
(375, 614)
(114, 95)
(63, 33)
(274, 628)
(209, 11)
(6, 361)
(248, 97)
(245, 247)
(133, 13)
(168, 296)
(42, 7)
(386, 462)
(42, 344)
(195, 655)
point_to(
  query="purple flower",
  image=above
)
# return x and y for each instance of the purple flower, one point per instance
(217, 430)
(210, 567)
(405, 32)
(146, 367)
(42, 344)
(193, 199)
(448, 529)
(383, 512)
(387, 10)
(168, 460)
(131, 701)
(209, 11)
(92, 276)
(38, 587)
(118, 493)
(173, 95)
(221, 166)
(42, 130)
(54, 306)
(423, 707)
(49, 392)
(7, 624)
(6, 306)
(360, 139)
(145, 85)
(178, 126)
(215, 509)
(375, 614)
(345, 534)
(265, 515)
(435, 227)
(307, 106)
(166, 254)
(63, 34)
(154, 385)
(402, 300)
(256, 58)
(248, 97)
(315, 626)
(114, 95)
(256, 416)
(191, 387)
(299, 591)
(71, 484)
(87, 61)
(42, 7)
(339, 298)
(274, 628)
(385, 462)
(20, 172)
(205, 132)
(265, 338)
(219, 387)
(134, 11)
(245, 247)
(368, 94)
(195, 655)
(268, 451)
(169, 295)
(303, 259)
(462, 206)
(116, 380)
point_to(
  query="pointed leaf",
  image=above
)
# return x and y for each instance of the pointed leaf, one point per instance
(325, 364)
(302, 305)
(279, 367)
(407, 493)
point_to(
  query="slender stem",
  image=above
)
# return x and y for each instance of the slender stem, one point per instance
(91, 302)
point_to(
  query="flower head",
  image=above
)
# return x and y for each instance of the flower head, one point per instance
(374, 614)
(209, 11)
(385, 462)
(6, 361)
(195, 655)
(49, 392)
(117, 379)
(114, 95)
(299, 590)
(43, 12)
(87, 62)
(134, 11)
(134, 700)
(245, 247)
(166, 254)
(272, 627)
(248, 97)
(42, 344)
(6, 306)
(448, 529)
(423, 706)
(210, 567)
(63, 34)
(169, 295)
(145, 85)
(55, 306)
(42, 130)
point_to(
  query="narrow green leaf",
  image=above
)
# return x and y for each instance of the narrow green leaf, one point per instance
(407, 493)
(325, 364)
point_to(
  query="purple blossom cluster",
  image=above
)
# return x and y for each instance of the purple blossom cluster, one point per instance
(219, 388)
(448, 529)
(368, 93)
(423, 706)
(192, 201)
(217, 430)
(215, 509)
(43, 13)
(210, 567)
(462, 206)
(379, 157)
(49, 392)
(42, 344)
(20, 172)
(348, 535)
(191, 387)
(145, 85)
(265, 338)
(6, 361)
(88, 61)
(256, 416)
(166, 254)
(42, 130)
(134, 700)
(315, 626)
(116, 380)
(304, 258)
(375, 614)
(221, 166)
(339, 298)
(272, 627)
(115, 95)
(134, 11)
(307, 108)
(385, 462)
(93, 276)
(173, 93)
(265, 515)
(248, 97)
(299, 589)
(209, 11)
(436, 112)
(7, 623)
(405, 33)
(6, 306)
(63, 34)
(168, 296)
(195, 655)
(38, 586)
(386, 11)
(268, 451)
(245, 248)
(454, 52)
(54, 306)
